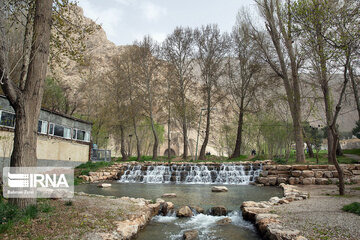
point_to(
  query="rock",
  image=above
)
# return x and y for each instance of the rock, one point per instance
(169, 195)
(184, 212)
(104, 185)
(308, 181)
(218, 211)
(300, 167)
(264, 173)
(272, 181)
(274, 200)
(283, 167)
(281, 180)
(319, 174)
(190, 235)
(321, 181)
(224, 221)
(249, 213)
(197, 209)
(263, 180)
(307, 173)
(170, 206)
(159, 200)
(328, 174)
(219, 189)
(283, 201)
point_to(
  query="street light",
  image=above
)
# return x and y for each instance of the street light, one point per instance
(198, 133)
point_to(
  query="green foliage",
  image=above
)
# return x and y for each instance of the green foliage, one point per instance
(356, 129)
(352, 151)
(278, 135)
(10, 214)
(54, 96)
(352, 207)
(87, 167)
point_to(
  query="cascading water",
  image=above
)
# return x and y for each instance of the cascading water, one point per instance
(192, 174)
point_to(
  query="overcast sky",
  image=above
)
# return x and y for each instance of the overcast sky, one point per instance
(127, 20)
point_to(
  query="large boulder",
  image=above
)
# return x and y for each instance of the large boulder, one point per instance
(184, 212)
(197, 209)
(191, 235)
(219, 189)
(218, 211)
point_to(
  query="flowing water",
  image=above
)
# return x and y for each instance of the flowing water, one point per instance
(171, 227)
(192, 174)
(192, 184)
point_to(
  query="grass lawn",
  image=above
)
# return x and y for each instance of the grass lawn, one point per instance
(353, 208)
(352, 151)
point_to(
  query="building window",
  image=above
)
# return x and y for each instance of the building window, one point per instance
(42, 126)
(60, 131)
(7, 119)
(81, 135)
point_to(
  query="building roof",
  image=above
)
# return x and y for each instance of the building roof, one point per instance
(58, 113)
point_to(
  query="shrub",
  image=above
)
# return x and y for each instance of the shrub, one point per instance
(352, 207)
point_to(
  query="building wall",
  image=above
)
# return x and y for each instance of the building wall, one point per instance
(51, 151)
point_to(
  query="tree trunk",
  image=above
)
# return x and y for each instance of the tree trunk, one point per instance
(309, 147)
(168, 133)
(336, 163)
(156, 141)
(207, 132)
(355, 90)
(27, 103)
(122, 143)
(138, 150)
(238, 143)
(185, 153)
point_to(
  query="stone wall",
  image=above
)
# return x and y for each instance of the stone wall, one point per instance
(307, 174)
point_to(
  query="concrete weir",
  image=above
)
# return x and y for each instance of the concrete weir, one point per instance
(237, 173)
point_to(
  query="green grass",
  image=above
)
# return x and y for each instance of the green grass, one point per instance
(323, 160)
(10, 214)
(352, 207)
(352, 151)
(85, 168)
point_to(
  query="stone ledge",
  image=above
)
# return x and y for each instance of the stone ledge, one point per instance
(269, 224)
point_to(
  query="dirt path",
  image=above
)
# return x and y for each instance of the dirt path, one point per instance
(353, 156)
(320, 216)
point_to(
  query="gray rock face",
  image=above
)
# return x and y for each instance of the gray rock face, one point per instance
(218, 211)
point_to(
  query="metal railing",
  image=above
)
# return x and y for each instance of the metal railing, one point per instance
(100, 155)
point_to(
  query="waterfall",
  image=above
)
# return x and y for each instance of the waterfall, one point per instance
(192, 174)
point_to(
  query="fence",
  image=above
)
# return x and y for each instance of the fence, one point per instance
(100, 155)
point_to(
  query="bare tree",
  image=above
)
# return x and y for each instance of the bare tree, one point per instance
(26, 97)
(178, 50)
(243, 75)
(212, 47)
(148, 67)
(286, 64)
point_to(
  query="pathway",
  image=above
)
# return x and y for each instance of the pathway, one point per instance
(320, 216)
(353, 156)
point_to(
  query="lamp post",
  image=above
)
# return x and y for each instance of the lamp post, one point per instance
(198, 133)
